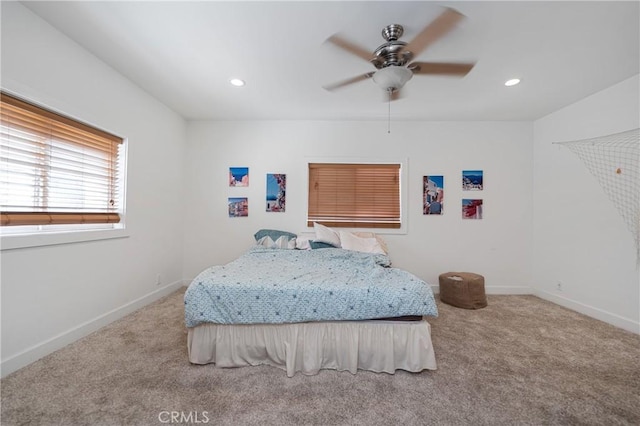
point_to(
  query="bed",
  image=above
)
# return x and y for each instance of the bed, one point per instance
(307, 310)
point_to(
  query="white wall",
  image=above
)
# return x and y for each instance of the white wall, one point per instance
(579, 237)
(53, 295)
(497, 246)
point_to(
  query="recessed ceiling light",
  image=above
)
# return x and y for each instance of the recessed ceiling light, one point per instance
(512, 82)
(237, 82)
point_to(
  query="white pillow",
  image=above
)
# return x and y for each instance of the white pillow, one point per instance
(355, 243)
(326, 235)
(381, 241)
(282, 242)
(285, 242)
(302, 243)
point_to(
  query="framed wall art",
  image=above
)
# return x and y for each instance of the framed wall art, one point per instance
(432, 194)
(472, 180)
(276, 192)
(238, 207)
(238, 176)
(471, 208)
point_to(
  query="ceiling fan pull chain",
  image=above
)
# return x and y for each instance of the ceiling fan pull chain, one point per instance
(389, 112)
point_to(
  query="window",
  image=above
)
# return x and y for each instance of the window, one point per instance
(354, 195)
(55, 170)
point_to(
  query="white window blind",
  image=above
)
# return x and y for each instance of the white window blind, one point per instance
(55, 170)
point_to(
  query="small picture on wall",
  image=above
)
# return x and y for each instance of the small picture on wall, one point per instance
(238, 176)
(238, 207)
(471, 209)
(276, 192)
(472, 180)
(432, 194)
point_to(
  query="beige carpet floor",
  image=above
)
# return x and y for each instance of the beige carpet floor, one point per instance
(519, 361)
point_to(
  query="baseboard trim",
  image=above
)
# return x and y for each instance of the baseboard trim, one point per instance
(497, 289)
(590, 311)
(34, 353)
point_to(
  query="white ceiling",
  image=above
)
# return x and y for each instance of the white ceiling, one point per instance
(183, 53)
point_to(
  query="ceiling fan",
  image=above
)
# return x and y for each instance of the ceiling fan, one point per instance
(393, 59)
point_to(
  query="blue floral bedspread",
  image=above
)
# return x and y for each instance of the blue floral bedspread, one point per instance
(288, 286)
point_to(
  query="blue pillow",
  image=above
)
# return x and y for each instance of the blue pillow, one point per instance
(320, 245)
(273, 233)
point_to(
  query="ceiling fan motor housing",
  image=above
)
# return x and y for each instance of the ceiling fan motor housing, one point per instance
(393, 51)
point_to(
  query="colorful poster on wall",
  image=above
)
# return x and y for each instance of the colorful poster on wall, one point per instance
(471, 209)
(238, 176)
(472, 180)
(432, 194)
(276, 192)
(238, 207)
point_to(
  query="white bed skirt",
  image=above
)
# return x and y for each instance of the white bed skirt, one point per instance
(380, 346)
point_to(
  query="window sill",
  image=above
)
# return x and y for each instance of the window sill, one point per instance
(14, 242)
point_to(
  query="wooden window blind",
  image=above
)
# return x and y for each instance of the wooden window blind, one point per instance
(55, 170)
(354, 195)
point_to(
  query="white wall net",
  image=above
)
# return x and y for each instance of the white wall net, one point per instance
(615, 162)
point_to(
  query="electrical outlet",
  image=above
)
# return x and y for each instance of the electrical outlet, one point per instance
(158, 279)
(559, 286)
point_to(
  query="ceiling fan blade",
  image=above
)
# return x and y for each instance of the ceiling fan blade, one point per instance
(340, 84)
(443, 68)
(351, 47)
(432, 32)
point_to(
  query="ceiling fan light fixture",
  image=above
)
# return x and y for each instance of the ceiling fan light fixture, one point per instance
(392, 77)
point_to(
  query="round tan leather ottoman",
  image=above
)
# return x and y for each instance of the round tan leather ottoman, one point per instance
(463, 289)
